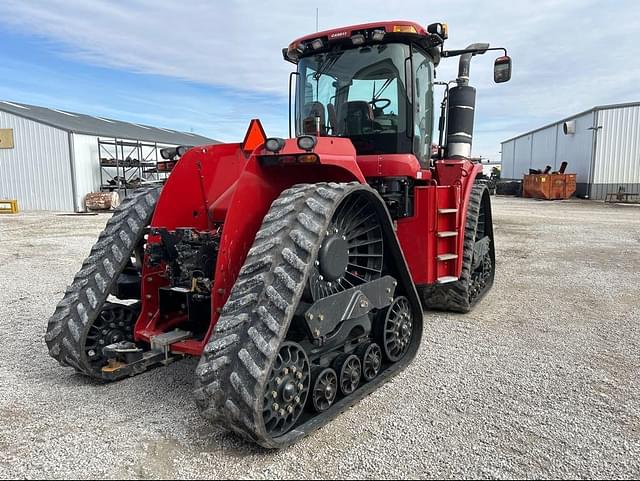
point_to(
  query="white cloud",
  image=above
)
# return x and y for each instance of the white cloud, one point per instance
(567, 56)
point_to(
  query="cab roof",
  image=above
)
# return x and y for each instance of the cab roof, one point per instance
(346, 32)
(365, 33)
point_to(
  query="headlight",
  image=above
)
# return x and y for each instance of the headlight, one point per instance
(274, 144)
(306, 142)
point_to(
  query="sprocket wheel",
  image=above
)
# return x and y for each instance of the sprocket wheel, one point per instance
(352, 250)
(287, 389)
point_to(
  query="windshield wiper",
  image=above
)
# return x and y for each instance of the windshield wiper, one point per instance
(327, 63)
(382, 89)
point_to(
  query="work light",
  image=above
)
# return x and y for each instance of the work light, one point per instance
(306, 142)
(377, 35)
(357, 39)
(274, 144)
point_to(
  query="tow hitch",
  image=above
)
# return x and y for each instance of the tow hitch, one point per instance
(127, 359)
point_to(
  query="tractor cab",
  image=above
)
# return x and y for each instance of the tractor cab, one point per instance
(370, 83)
(373, 83)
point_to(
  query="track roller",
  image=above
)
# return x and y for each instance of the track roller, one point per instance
(349, 371)
(371, 359)
(325, 389)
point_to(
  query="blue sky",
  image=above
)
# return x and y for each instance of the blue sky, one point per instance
(44, 72)
(211, 66)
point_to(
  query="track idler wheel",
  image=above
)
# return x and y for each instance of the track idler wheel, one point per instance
(287, 389)
(325, 389)
(350, 373)
(397, 329)
(371, 359)
(114, 324)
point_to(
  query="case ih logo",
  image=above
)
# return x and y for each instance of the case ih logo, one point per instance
(343, 34)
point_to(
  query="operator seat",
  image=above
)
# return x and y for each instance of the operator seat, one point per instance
(359, 118)
(310, 111)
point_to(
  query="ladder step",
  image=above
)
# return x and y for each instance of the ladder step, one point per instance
(447, 233)
(447, 211)
(447, 257)
(446, 279)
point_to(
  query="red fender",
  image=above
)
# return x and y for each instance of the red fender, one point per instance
(217, 187)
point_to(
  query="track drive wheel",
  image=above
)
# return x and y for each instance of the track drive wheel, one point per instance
(78, 325)
(478, 266)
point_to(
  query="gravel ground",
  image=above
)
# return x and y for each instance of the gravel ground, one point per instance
(541, 380)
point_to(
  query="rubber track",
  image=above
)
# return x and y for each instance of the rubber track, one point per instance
(234, 367)
(454, 296)
(83, 300)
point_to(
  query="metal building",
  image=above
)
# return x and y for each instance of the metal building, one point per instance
(50, 159)
(601, 145)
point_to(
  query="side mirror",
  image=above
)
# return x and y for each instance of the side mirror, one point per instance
(502, 69)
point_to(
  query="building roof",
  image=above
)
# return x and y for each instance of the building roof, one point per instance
(593, 109)
(101, 126)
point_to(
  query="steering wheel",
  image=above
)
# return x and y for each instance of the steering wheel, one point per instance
(385, 103)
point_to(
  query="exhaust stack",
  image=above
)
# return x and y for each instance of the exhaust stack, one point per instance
(462, 103)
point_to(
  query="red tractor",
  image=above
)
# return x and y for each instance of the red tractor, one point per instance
(297, 269)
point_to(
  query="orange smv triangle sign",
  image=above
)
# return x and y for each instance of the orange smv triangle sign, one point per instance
(254, 137)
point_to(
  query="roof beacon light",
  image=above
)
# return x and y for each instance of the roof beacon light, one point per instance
(404, 29)
(357, 39)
